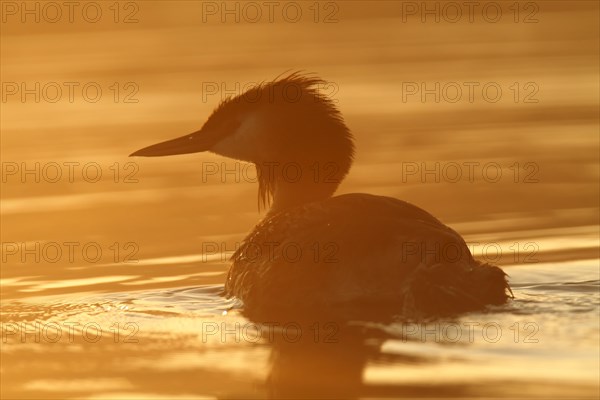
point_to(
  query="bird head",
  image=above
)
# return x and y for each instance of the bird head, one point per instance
(284, 122)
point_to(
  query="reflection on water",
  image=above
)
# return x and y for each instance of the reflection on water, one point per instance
(188, 341)
(143, 316)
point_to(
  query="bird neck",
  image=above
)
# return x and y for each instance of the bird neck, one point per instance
(292, 184)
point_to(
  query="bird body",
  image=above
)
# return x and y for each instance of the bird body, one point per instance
(370, 254)
(314, 253)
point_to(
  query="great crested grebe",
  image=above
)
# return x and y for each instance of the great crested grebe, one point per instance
(316, 253)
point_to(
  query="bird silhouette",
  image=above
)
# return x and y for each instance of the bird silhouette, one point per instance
(352, 254)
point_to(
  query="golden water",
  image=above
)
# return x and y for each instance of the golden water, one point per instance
(145, 317)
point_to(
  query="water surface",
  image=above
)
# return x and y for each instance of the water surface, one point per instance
(144, 318)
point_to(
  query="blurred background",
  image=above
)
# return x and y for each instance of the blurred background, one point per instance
(485, 114)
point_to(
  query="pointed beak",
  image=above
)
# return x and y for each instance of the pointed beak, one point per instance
(194, 143)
